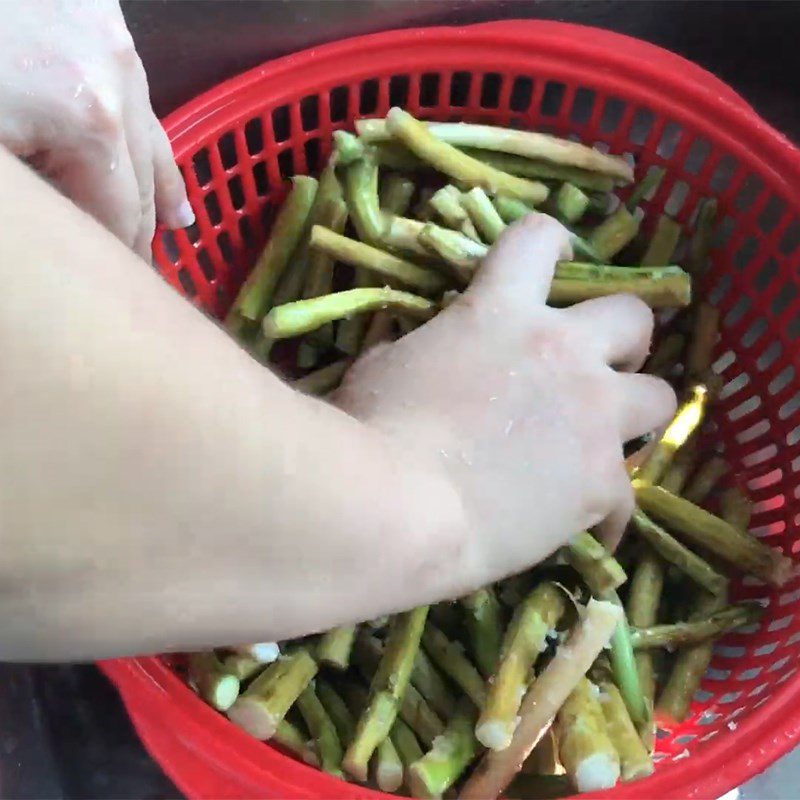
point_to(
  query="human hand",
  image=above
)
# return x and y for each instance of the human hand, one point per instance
(74, 103)
(527, 406)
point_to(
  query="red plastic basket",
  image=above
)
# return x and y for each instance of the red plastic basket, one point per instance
(236, 145)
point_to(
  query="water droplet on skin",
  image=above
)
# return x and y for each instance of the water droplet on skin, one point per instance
(512, 373)
(509, 427)
(78, 91)
(493, 398)
(373, 392)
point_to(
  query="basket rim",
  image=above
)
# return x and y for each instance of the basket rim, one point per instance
(674, 84)
(677, 86)
(629, 49)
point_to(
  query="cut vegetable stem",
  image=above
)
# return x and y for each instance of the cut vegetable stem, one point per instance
(387, 689)
(700, 244)
(634, 757)
(599, 569)
(264, 704)
(347, 148)
(218, 686)
(483, 214)
(485, 628)
(433, 774)
(646, 188)
(417, 137)
(342, 717)
(446, 202)
(570, 203)
(388, 766)
(388, 266)
(395, 193)
(255, 296)
(688, 670)
(663, 243)
(335, 646)
(586, 751)
(644, 599)
(537, 146)
(290, 738)
(524, 641)
(613, 233)
(361, 192)
(430, 684)
(323, 380)
(706, 479)
(323, 731)
(302, 316)
(542, 170)
(545, 697)
(659, 287)
(510, 209)
(705, 331)
(451, 659)
(623, 667)
(716, 535)
(406, 744)
(676, 553)
(684, 425)
(697, 630)
(682, 466)
(667, 354)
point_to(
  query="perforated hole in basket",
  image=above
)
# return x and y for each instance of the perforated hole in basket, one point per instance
(235, 178)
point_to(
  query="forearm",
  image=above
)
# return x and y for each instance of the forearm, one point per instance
(160, 490)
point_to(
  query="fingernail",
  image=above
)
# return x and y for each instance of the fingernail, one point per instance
(184, 216)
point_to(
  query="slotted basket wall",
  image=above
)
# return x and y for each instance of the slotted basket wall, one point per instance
(239, 142)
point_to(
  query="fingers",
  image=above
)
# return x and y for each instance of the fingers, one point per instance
(143, 183)
(611, 529)
(104, 185)
(620, 325)
(140, 148)
(143, 243)
(519, 268)
(172, 205)
(646, 403)
(161, 189)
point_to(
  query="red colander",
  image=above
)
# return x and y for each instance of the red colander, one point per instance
(236, 145)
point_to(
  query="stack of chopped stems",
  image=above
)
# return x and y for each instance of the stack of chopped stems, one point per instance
(403, 214)
(548, 682)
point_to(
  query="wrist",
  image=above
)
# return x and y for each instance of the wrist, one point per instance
(445, 560)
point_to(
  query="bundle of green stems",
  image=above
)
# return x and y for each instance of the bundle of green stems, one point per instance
(568, 668)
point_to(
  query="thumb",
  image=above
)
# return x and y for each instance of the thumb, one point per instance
(519, 268)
